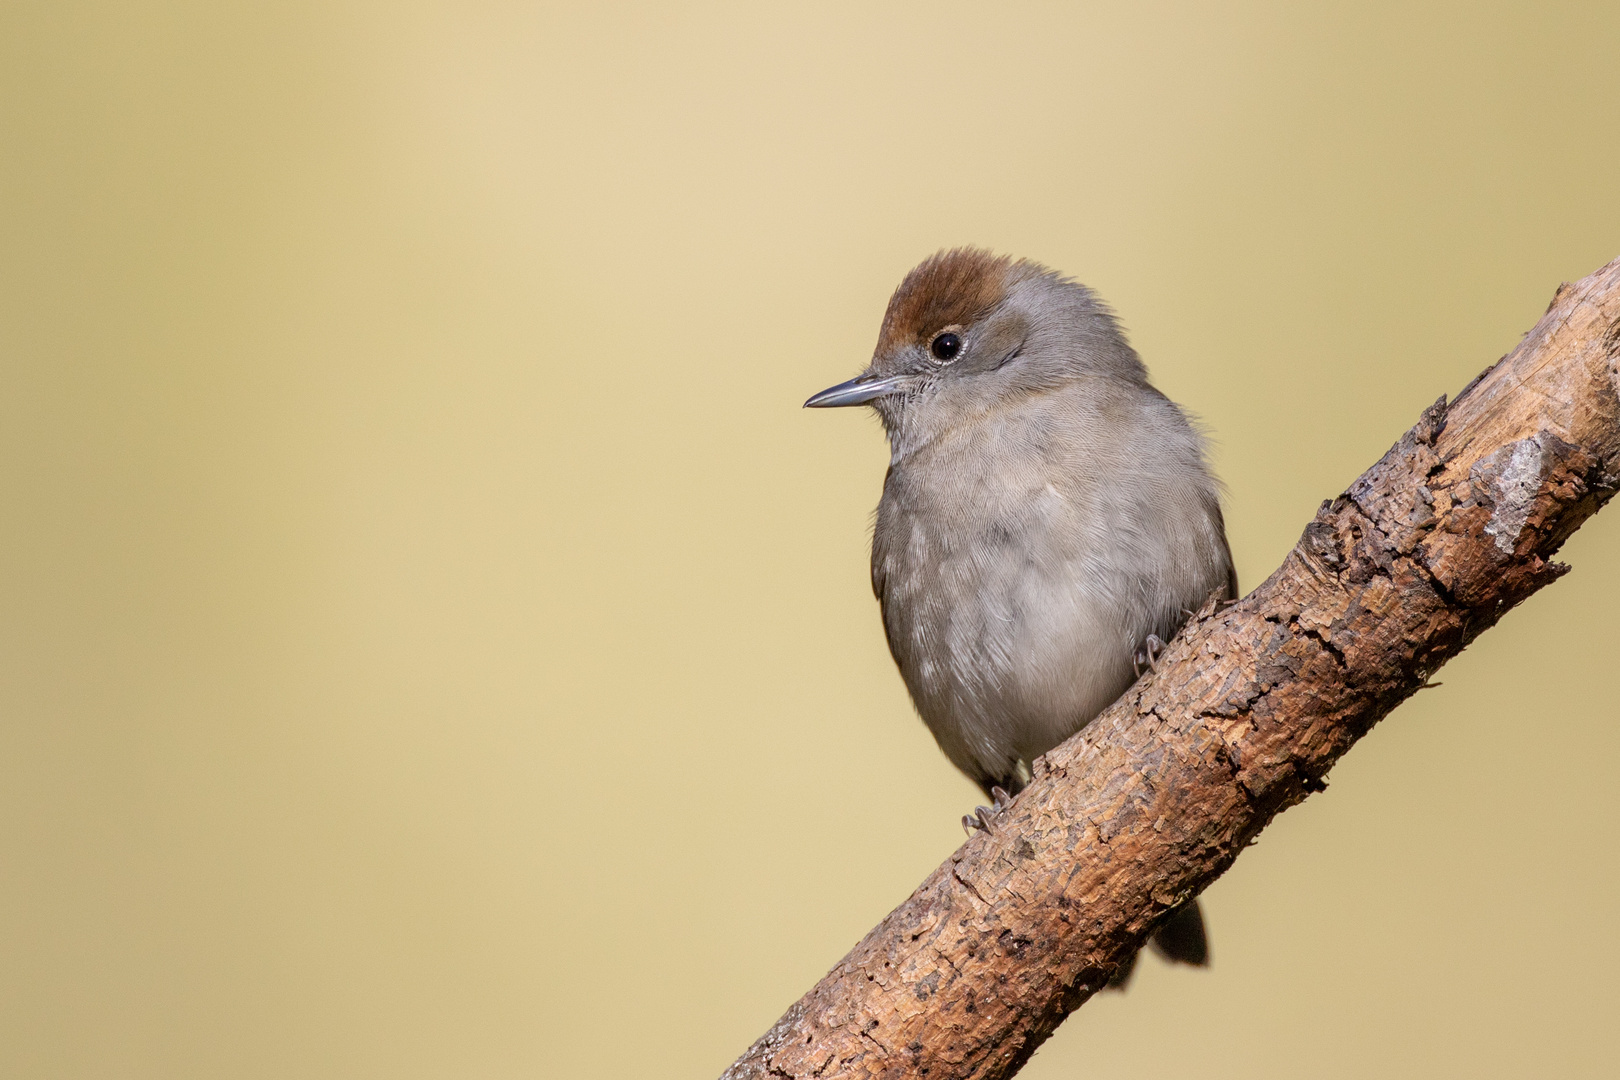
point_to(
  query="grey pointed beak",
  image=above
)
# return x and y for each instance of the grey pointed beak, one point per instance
(858, 391)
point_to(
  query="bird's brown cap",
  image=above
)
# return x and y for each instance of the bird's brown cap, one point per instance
(949, 288)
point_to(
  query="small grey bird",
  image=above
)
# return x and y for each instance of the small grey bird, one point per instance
(1048, 519)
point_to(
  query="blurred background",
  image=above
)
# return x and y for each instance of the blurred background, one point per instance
(435, 643)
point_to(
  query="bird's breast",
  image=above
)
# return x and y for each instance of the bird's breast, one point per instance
(992, 585)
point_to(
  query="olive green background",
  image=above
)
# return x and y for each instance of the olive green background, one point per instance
(436, 643)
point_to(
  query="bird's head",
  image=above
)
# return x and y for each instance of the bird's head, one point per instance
(967, 330)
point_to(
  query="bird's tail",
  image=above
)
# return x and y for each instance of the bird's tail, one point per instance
(1180, 939)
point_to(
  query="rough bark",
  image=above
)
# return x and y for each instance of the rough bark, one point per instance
(1250, 707)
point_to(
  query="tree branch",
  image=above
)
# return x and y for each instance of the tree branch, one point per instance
(1251, 706)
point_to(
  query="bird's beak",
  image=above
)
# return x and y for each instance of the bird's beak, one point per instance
(858, 391)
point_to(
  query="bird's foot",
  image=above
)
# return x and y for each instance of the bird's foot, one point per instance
(1148, 655)
(984, 817)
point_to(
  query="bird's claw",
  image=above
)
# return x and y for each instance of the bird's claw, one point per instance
(1148, 655)
(984, 817)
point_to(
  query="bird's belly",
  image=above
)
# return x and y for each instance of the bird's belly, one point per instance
(1010, 641)
(1043, 654)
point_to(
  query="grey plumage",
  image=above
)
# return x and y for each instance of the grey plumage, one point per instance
(1045, 510)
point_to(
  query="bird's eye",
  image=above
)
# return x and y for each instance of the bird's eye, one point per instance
(946, 346)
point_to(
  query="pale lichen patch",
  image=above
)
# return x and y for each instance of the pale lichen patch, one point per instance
(1516, 487)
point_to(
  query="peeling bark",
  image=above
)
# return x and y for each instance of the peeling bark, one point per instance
(1250, 707)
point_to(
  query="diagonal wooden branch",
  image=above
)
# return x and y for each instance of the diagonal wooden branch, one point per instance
(1250, 707)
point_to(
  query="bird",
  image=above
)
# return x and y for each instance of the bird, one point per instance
(1049, 519)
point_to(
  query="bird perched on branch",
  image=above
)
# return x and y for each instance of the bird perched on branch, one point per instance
(1048, 519)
